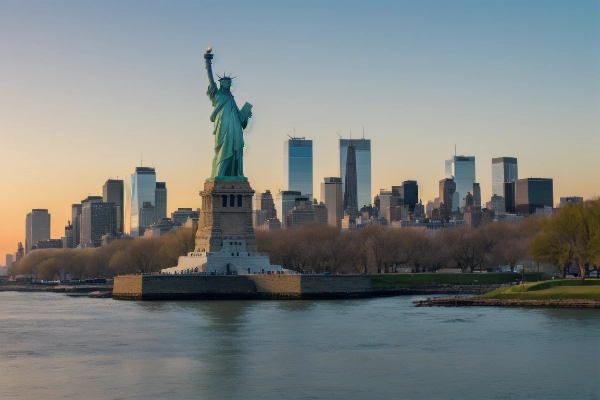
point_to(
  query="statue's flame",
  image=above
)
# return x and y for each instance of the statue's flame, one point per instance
(208, 50)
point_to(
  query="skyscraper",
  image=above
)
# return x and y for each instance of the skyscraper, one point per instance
(410, 194)
(298, 166)
(331, 196)
(37, 227)
(68, 238)
(161, 200)
(476, 192)
(97, 219)
(112, 192)
(264, 208)
(143, 190)
(76, 222)
(285, 202)
(462, 170)
(533, 193)
(350, 182)
(182, 215)
(504, 169)
(386, 201)
(509, 197)
(447, 190)
(363, 168)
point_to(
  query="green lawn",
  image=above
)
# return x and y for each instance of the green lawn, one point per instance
(550, 290)
(401, 281)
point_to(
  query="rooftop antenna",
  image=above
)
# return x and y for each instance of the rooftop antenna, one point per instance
(289, 137)
(339, 135)
(455, 150)
(141, 160)
(363, 131)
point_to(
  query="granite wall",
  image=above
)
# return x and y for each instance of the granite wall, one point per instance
(157, 287)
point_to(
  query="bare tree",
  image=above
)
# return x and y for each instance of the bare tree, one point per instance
(512, 246)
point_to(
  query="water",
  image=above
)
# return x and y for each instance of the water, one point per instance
(55, 346)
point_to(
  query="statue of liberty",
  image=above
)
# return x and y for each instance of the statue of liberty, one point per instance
(228, 129)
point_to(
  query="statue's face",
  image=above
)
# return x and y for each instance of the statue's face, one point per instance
(225, 84)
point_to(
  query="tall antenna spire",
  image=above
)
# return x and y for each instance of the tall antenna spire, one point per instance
(141, 160)
(363, 131)
(455, 150)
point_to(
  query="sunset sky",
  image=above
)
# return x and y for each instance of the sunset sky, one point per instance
(91, 89)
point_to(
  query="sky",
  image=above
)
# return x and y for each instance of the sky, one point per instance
(89, 90)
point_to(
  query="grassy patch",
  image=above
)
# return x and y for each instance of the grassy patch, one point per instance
(400, 281)
(550, 290)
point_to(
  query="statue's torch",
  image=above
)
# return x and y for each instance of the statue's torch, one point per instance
(208, 55)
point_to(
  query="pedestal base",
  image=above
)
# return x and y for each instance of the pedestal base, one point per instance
(226, 217)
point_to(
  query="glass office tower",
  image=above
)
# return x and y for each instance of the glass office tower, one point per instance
(286, 201)
(298, 166)
(533, 193)
(97, 219)
(161, 200)
(76, 222)
(509, 197)
(446, 195)
(462, 170)
(410, 194)
(143, 188)
(504, 169)
(363, 168)
(113, 192)
(331, 196)
(350, 183)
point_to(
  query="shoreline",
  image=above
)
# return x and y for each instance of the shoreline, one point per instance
(480, 302)
(444, 289)
(36, 287)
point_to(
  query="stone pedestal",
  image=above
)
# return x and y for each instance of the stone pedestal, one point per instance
(226, 217)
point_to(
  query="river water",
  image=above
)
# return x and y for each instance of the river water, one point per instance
(56, 346)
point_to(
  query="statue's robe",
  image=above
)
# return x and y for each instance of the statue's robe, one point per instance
(228, 131)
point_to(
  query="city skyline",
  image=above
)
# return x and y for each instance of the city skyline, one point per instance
(87, 87)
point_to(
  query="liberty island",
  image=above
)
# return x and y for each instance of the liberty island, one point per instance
(225, 262)
(225, 241)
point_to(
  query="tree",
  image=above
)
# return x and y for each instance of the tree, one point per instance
(382, 247)
(469, 248)
(437, 257)
(49, 269)
(512, 246)
(358, 254)
(549, 247)
(145, 257)
(571, 236)
(414, 246)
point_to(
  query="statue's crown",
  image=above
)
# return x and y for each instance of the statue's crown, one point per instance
(225, 77)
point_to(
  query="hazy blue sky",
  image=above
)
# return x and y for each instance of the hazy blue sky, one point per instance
(86, 87)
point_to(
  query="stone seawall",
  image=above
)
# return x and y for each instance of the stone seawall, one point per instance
(171, 287)
(477, 301)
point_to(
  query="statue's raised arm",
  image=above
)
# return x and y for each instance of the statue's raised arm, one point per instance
(229, 122)
(208, 56)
